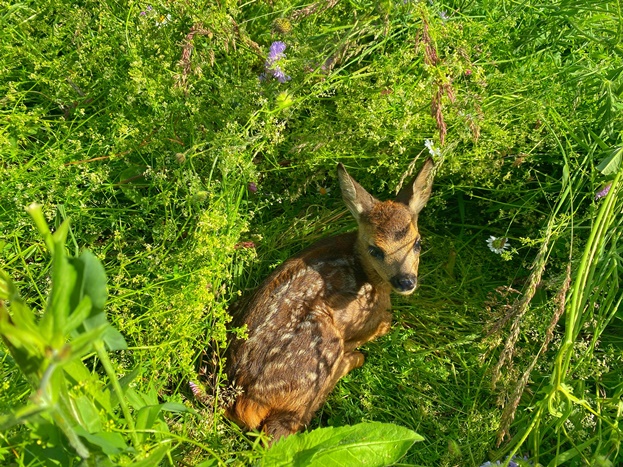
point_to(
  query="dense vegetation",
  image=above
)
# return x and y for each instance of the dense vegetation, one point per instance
(191, 159)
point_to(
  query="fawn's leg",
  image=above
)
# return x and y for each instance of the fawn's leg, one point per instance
(349, 361)
(280, 423)
(377, 328)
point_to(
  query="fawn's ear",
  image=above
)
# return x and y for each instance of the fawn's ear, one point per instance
(357, 199)
(416, 194)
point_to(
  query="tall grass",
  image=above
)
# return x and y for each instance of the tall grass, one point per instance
(190, 179)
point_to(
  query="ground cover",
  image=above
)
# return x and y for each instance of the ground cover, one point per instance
(192, 155)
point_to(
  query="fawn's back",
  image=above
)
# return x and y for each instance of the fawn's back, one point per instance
(308, 317)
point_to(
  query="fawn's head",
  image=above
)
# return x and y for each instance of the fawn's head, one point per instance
(388, 240)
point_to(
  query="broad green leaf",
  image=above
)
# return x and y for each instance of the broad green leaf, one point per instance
(58, 307)
(112, 338)
(80, 313)
(124, 383)
(154, 457)
(20, 415)
(146, 418)
(135, 399)
(369, 444)
(612, 162)
(21, 315)
(110, 443)
(89, 415)
(35, 211)
(27, 348)
(91, 282)
(50, 446)
(174, 407)
(78, 373)
(84, 342)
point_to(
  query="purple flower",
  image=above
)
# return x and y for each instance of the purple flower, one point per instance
(147, 10)
(276, 51)
(275, 54)
(280, 75)
(197, 391)
(603, 192)
(252, 187)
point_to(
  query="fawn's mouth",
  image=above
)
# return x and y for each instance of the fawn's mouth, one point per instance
(404, 292)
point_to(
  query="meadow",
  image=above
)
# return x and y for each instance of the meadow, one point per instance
(178, 156)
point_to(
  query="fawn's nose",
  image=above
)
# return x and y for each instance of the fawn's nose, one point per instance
(404, 283)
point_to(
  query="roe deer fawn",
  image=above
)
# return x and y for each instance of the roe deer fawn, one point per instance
(306, 320)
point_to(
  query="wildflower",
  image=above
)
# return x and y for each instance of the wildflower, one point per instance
(282, 26)
(435, 152)
(147, 11)
(275, 54)
(162, 20)
(279, 75)
(197, 391)
(468, 72)
(252, 187)
(323, 191)
(443, 15)
(497, 245)
(603, 192)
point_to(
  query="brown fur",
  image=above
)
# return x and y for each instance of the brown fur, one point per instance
(308, 317)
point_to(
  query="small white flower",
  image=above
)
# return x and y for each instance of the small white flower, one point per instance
(497, 245)
(435, 152)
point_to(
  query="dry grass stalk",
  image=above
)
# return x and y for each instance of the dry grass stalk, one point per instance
(317, 7)
(430, 51)
(431, 58)
(508, 415)
(187, 49)
(519, 309)
(437, 108)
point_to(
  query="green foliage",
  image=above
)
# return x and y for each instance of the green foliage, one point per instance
(189, 180)
(69, 402)
(374, 444)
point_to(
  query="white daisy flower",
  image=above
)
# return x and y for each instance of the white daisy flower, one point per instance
(497, 245)
(435, 152)
(162, 20)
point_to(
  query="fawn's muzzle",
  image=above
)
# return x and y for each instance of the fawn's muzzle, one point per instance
(404, 283)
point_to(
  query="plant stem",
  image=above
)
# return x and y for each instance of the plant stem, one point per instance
(103, 356)
(603, 221)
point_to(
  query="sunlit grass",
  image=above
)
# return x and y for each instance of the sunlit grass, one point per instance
(191, 179)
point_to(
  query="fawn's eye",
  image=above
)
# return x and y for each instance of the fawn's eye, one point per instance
(417, 246)
(376, 252)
